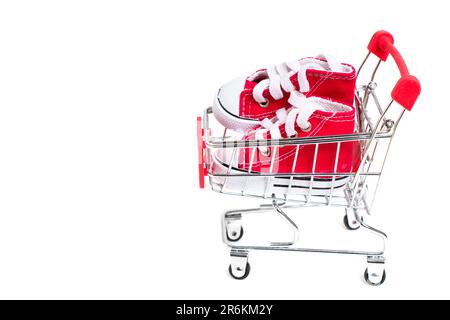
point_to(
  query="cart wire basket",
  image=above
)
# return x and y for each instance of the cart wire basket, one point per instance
(353, 191)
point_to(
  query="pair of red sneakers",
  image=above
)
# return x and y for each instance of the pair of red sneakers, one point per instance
(303, 98)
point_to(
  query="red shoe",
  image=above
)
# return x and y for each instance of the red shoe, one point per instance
(308, 117)
(243, 102)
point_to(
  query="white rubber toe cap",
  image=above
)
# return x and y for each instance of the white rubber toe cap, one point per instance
(226, 106)
(229, 95)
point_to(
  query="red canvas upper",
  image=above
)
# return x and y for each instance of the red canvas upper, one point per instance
(323, 124)
(338, 86)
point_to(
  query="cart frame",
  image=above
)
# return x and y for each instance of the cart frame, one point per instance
(358, 194)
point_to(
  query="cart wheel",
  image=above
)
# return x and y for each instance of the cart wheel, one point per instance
(370, 282)
(350, 227)
(245, 275)
(235, 236)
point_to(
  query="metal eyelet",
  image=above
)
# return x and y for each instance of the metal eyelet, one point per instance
(264, 104)
(265, 153)
(307, 129)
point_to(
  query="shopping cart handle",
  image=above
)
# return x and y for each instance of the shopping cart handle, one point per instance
(407, 89)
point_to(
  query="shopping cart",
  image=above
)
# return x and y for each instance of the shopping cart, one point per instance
(375, 129)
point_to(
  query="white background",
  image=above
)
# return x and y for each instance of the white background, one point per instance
(98, 180)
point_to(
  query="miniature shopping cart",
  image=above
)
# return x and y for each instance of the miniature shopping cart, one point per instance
(375, 127)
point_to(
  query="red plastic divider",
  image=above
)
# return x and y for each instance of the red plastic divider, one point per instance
(201, 159)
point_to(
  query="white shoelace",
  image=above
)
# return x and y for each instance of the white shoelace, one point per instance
(302, 109)
(278, 77)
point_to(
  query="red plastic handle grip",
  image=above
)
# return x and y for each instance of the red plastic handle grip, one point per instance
(407, 89)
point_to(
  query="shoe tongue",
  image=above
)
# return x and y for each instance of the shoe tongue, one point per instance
(332, 63)
(257, 77)
(315, 105)
(250, 84)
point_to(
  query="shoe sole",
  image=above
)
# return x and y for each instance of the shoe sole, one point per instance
(260, 185)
